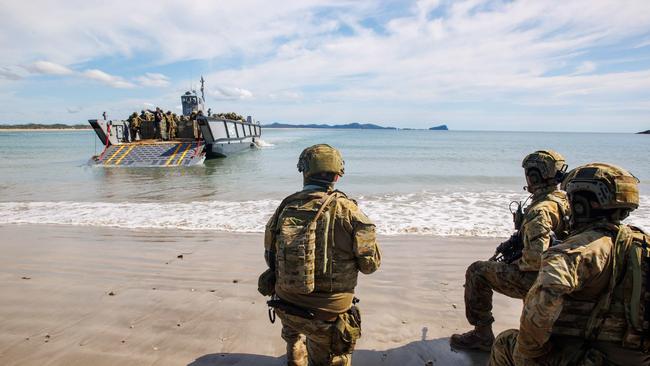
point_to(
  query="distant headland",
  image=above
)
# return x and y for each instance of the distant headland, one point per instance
(439, 128)
(43, 126)
(646, 132)
(355, 126)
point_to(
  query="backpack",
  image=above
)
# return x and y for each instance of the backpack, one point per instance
(630, 284)
(636, 288)
(296, 246)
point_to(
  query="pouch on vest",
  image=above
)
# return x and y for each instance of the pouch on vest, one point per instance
(346, 331)
(266, 283)
(296, 248)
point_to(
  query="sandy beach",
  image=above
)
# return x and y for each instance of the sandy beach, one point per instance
(102, 296)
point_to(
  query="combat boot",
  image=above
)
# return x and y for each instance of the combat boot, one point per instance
(480, 338)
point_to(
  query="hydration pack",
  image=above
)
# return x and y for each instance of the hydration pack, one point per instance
(296, 245)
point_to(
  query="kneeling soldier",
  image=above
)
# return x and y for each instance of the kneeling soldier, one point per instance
(513, 277)
(590, 303)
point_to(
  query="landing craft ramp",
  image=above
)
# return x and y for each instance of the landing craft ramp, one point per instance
(152, 154)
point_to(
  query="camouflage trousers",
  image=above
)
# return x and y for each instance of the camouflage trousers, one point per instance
(483, 278)
(309, 342)
(566, 351)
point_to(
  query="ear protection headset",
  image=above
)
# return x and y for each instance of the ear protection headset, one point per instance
(561, 174)
(580, 207)
(534, 177)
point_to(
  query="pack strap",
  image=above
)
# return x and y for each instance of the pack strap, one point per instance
(619, 250)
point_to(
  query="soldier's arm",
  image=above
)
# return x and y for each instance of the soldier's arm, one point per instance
(536, 236)
(560, 275)
(365, 247)
(269, 238)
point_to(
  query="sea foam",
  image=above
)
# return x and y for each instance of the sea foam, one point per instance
(483, 214)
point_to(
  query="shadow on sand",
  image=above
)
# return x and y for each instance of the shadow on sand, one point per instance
(418, 353)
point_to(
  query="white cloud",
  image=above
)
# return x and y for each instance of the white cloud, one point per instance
(585, 68)
(108, 79)
(48, 68)
(73, 110)
(153, 80)
(408, 63)
(228, 93)
(9, 74)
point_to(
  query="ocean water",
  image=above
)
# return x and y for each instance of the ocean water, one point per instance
(445, 183)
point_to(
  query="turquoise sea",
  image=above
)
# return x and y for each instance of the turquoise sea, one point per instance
(419, 182)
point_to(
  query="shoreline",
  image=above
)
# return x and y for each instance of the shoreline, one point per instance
(191, 298)
(43, 129)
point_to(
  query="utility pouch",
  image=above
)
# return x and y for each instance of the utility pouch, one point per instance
(346, 332)
(266, 283)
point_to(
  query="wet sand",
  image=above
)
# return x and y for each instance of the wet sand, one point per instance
(103, 296)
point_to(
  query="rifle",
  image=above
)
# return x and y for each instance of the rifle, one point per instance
(511, 249)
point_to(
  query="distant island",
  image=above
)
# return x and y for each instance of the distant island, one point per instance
(439, 128)
(356, 126)
(646, 132)
(41, 126)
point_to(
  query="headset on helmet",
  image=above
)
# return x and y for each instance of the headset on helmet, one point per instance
(321, 158)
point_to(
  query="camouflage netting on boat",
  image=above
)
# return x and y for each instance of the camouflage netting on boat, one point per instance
(230, 115)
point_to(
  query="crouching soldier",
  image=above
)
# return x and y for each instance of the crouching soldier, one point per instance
(514, 273)
(590, 303)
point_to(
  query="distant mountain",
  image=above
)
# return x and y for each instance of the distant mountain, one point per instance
(439, 128)
(355, 126)
(42, 126)
(646, 132)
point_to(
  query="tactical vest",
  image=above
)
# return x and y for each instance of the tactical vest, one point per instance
(306, 257)
(622, 313)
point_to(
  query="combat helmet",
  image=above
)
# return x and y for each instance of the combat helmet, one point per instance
(321, 158)
(550, 164)
(612, 186)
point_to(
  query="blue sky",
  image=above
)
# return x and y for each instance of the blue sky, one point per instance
(581, 65)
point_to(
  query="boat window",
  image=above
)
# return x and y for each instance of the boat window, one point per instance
(232, 130)
(243, 130)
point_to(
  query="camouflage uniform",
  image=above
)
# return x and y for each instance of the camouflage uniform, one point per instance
(545, 215)
(345, 246)
(564, 320)
(135, 123)
(173, 125)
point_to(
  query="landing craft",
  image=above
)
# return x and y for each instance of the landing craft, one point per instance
(197, 138)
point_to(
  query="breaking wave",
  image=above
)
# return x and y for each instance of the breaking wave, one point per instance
(483, 214)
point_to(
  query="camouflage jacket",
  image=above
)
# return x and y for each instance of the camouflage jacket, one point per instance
(543, 216)
(352, 248)
(573, 274)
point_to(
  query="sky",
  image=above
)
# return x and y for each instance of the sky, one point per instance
(544, 65)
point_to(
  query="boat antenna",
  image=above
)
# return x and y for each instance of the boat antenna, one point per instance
(202, 92)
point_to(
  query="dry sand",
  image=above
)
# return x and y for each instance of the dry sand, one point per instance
(102, 296)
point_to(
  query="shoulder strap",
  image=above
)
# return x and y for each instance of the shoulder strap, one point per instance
(326, 201)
